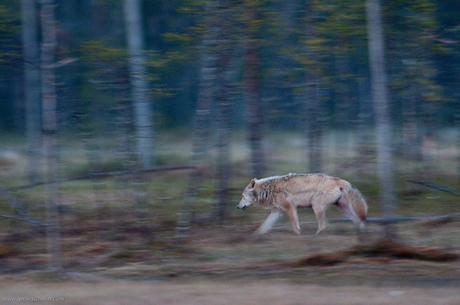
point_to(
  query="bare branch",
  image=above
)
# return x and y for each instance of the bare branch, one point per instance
(436, 187)
(397, 219)
(103, 175)
(33, 222)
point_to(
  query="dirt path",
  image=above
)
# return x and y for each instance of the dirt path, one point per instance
(211, 293)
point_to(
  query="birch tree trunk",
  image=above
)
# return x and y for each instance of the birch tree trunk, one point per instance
(49, 127)
(30, 49)
(381, 108)
(139, 85)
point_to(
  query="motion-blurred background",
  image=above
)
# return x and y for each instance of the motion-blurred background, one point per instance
(128, 130)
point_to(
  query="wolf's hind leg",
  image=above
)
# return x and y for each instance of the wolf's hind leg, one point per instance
(294, 218)
(320, 204)
(347, 210)
(269, 222)
(320, 214)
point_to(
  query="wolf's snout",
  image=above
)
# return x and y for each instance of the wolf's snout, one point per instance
(241, 206)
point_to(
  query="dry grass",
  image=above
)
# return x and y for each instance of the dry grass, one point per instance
(108, 235)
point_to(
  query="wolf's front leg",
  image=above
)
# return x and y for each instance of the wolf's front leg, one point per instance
(269, 222)
(294, 218)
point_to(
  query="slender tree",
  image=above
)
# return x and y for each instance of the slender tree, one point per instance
(225, 76)
(31, 53)
(253, 90)
(414, 73)
(223, 140)
(381, 108)
(364, 116)
(312, 96)
(139, 85)
(50, 127)
(207, 66)
(313, 125)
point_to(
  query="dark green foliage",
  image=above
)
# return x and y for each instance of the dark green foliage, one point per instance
(10, 31)
(326, 39)
(10, 63)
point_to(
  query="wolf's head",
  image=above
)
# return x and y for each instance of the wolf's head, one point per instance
(249, 195)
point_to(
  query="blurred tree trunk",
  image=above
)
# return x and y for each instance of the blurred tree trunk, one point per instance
(343, 102)
(225, 75)
(364, 118)
(381, 108)
(139, 85)
(410, 127)
(223, 140)
(201, 121)
(253, 97)
(457, 123)
(365, 150)
(313, 121)
(313, 126)
(49, 127)
(30, 49)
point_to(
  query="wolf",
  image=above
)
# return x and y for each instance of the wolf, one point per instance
(284, 194)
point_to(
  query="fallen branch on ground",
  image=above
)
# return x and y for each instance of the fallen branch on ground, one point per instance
(435, 186)
(18, 208)
(396, 219)
(103, 175)
(32, 222)
(383, 248)
(13, 203)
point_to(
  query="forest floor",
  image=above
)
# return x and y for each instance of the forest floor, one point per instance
(222, 266)
(221, 293)
(119, 247)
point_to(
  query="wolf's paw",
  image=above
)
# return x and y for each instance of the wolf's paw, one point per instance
(318, 231)
(257, 237)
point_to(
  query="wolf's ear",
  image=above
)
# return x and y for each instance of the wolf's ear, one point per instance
(253, 182)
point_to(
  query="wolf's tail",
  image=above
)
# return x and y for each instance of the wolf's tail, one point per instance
(354, 206)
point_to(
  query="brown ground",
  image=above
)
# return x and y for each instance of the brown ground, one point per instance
(216, 293)
(220, 266)
(117, 252)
